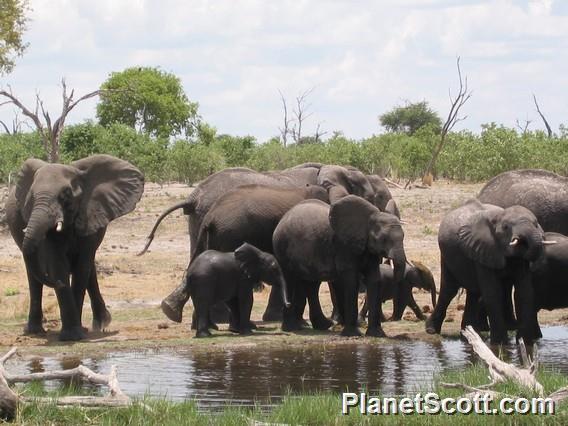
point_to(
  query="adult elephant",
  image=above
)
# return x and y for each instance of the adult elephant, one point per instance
(484, 248)
(57, 215)
(338, 181)
(315, 242)
(249, 214)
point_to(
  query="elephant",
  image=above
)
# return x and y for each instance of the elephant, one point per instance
(230, 277)
(484, 248)
(57, 215)
(416, 275)
(314, 242)
(250, 214)
(544, 193)
(338, 181)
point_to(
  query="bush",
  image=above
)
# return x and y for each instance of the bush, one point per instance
(190, 162)
(15, 149)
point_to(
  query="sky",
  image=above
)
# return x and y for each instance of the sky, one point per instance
(360, 57)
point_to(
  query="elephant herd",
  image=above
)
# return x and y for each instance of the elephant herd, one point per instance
(293, 229)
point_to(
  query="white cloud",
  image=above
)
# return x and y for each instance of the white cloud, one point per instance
(363, 57)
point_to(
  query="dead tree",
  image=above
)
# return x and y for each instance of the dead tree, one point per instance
(49, 131)
(453, 118)
(523, 127)
(301, 114)
(285, 129)
(318, 135)
(548, 129)
(9, 400)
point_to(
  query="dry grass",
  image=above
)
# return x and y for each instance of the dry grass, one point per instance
(134, 286)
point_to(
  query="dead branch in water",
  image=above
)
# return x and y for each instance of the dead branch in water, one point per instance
(9, 400)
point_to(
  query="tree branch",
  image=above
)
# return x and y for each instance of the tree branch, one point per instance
(548, 129)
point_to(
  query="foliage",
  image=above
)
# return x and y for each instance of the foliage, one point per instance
(190, 162)
(147, 99)
(12, 26)
(15, 149)
(236, 150)
(410, 117)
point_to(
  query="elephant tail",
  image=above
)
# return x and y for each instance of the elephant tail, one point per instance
(187, 208)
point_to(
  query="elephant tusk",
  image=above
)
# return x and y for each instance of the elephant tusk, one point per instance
(390, 263)
(403, 222)
(514, 242)
(59, 226)
(548, 242)
(25, 230)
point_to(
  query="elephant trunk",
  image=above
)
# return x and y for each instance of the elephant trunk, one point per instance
(398, 258)
(281, 282)
(535, 246)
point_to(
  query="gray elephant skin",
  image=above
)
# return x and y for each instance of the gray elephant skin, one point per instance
(338, 181)
(484, 248)
(416, 275)
(57, 215)
(542, 192)
(249, 214)
(315, 242)
(230, 277)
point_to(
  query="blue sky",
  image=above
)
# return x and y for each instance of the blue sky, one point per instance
(361, 57)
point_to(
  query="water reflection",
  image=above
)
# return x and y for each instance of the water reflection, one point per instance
(249, 374)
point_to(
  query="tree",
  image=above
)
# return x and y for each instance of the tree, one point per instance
(149, 100)
(410, 117)
(50, 131)
(295, 126)
(453, 117)
(548, 128)
(12, 26)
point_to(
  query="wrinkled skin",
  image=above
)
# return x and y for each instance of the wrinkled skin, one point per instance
(216, 276)
(315, 242)
(416, 275)
(338, 181)
(250, 214)
(57, 215)
(484, 248)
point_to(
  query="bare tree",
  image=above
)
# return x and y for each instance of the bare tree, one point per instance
(301, 114)
(453, 118)
(285, 129)
(50, 131)
(524, 126)
(16, 125)
(548, 129)
(319, 134)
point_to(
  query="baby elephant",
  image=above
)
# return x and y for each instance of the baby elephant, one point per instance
(416, 275)
(216, 276)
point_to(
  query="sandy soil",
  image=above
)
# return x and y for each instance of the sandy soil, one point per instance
(134, 286)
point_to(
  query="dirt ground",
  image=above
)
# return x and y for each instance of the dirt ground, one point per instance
(134, 286)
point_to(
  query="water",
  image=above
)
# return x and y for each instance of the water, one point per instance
(250, 373)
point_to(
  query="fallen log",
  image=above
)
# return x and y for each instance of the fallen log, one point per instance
(9, 400)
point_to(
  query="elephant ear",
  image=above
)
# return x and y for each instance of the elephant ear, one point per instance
(111, 188)
(334, 180)
(478, 241)
(25, 180)
(349, 219)
(249, 261)
(392, 208)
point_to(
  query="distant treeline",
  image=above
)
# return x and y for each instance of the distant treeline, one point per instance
(466, 157)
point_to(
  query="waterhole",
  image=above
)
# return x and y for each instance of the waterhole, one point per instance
(251, 374)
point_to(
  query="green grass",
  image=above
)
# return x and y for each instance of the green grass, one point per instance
(11, 291)
(305, 409)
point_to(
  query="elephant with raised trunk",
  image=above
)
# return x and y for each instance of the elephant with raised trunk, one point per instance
(216, 276)
(249, 214)
(57, 215)
(485, 248)
(315, 242)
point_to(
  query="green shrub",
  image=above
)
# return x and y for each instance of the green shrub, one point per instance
(190, 162)
(15, 149)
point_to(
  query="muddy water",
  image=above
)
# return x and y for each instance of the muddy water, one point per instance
(247, 374)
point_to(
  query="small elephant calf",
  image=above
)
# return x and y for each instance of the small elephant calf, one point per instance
(416, 275)
(216, 276)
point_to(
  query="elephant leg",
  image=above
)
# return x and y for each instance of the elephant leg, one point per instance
(290, 320)
(35, 315)
(374, 285)
(448, 290)
(474, 313)
(172, 305)
(416, 309)
(350, 293)
(275, 305)
(335, 311)
(218, 313)
(201, 318)
(70, 323)
(101, 315)
(399, 305)
(245, 302)
(529, 328)
(317, 318)
(339, 298)
(491, 293)
(234, 315)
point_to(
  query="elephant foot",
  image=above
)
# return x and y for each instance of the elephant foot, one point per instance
(34, 329)
(213, 325)
(100, 324)
(375, 332)
(172, 309)
(272, 315)
(72, 334)
(246, 332)
(203, 333)
(252, 325)
(322, 323)
(337, 318)
(361, 321)
(432, 328)
(351, 331)
(291, 325)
